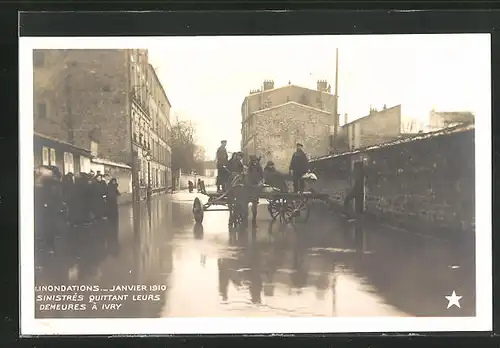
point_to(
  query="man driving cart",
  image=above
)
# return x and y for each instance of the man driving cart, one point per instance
(222, 161)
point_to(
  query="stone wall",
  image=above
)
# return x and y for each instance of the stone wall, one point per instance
(428, 180)
(279, 129)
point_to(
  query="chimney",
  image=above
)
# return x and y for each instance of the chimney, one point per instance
(322, 85)
(345, 119)
(268, 84)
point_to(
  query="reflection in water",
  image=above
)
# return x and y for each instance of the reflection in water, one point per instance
(255, 273)
(110, 253)
(198, 231)
(327, 267)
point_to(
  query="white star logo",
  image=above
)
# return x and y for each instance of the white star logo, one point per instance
(453, 300)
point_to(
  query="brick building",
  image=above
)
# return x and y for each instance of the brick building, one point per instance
(379, 126)
(275, 119)
(96, 100)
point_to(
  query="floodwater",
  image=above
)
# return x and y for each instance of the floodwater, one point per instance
(326, 267)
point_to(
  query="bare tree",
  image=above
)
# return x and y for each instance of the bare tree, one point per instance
(199, 160)
(411, 126)
(183, 145)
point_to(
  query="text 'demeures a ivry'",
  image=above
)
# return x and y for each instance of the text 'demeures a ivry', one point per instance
(77, 298)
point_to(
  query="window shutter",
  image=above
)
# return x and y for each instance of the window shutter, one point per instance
(45, 156)
(52, 158)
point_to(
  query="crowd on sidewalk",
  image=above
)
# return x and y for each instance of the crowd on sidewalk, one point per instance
(73, 200)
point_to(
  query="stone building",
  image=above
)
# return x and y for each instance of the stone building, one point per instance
(379, 126)
(275, 119)
(96, 100)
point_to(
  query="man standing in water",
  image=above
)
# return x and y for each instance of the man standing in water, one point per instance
(222, 159)
(299, 165)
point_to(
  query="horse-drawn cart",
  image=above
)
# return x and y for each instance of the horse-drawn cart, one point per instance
(287, 206)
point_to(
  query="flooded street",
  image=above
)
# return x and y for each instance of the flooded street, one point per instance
(326, 267)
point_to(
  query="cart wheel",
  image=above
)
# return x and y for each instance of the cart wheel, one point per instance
(273, 207)
(300, 211)
(286, 211)
(198, 211)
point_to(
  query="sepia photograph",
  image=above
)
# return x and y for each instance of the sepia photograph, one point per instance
(255, 184)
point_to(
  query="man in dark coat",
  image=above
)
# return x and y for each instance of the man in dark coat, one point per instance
(299, 165)
(235, 164)
(274, 178)
(99, 197)
(222, 160)
(112, 195)
(48, 205)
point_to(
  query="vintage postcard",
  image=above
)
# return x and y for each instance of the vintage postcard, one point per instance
(255, 184)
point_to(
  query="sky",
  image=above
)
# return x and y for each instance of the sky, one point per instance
(207, 78)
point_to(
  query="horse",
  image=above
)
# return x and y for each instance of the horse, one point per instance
(245, 188)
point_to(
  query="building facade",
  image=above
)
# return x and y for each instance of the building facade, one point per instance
(97, 100)
(379, 126)
(275, 119)
(159, 109)
(440, 120)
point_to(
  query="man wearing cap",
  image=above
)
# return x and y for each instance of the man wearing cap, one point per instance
(299, 165)
(274, 178)
(222, 173)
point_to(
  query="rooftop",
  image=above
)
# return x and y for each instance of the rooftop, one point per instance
(420, 136)
(373, 113)
(46, 137)
(283, 87)
(292, 103)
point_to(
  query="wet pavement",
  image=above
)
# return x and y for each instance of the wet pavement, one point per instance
(156, 262)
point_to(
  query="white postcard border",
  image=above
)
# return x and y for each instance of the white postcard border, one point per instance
(31, 326)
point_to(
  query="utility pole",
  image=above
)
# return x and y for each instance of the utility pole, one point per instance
(334, 131)
(336, 110)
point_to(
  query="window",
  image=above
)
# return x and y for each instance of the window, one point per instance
(42, 110)
(84, 164)
(69, 164)
(52, 158)
(38, 59)
(94, 148)
(45, 156)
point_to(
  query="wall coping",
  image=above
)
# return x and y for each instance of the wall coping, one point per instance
(292, 103)
(110, 163)
(421, 136)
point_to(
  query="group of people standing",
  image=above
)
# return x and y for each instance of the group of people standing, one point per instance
(77, 199)
(229, 170)
(299, 165)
